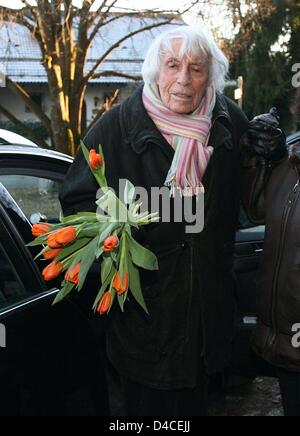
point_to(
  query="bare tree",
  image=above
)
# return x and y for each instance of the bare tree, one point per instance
(65, 34)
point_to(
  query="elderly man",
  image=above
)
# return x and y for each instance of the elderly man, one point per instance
(178, 130)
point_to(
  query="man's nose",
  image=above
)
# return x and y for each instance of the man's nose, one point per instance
(184, 77)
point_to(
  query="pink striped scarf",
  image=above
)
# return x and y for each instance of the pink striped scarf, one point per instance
(188, 135)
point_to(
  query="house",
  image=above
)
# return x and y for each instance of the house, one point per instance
(20, 59)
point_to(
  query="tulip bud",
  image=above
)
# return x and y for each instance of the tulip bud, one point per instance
(52, 271)
(40, 229)
(96, 160)
(66, 236)
(52, 254)
(110, 244)
(104, 304)
(62, 237)
(119, 285)
(52, 243)
(73, 276)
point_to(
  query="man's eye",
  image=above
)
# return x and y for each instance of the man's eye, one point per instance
(197, 70)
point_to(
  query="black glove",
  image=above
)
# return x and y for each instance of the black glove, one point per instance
(264, 138)
(294, 156)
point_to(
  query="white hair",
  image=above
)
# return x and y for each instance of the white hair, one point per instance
(195, 42)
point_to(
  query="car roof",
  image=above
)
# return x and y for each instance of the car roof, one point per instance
(8, 137)
(15, 149)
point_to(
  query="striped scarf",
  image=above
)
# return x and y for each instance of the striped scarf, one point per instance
(188, 135)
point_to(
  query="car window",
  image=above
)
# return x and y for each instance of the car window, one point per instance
(11, 289)
(34, 195)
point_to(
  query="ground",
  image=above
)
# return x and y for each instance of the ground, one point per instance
(260, 397)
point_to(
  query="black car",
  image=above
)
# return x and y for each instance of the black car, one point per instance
(52, 359)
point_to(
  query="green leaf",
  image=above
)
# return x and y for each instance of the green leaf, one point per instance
(74, 260)
(135, 285)
(41, 253)
(106, 268)
(80, 243)
(141, 256)
(80, 218)
(103, 166)
(99, 253)
(41, 240)
(121, 301)
(68, 287)
(129, 192)
(87, 261)
(90, 231)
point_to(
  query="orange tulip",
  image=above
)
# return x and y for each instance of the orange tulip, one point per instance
(73, 276)
(110, 244)
(66, 236)
(96, 160)
(52, 254)
(52, 271)
(119, 285)
(40, 229)
(62, 237)
(52, 243)
(104, 304)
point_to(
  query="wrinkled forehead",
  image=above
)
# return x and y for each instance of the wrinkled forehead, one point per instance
(180, 48)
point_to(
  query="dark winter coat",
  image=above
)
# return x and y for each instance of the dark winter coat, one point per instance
(191, 298)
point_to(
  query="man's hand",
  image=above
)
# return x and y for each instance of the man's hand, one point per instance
(264, 138)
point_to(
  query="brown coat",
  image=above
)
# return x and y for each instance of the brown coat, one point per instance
(274, 198)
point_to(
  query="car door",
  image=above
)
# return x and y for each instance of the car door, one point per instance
(248, 251)
(50, 357)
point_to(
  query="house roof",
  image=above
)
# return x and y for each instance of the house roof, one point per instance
(20, 55)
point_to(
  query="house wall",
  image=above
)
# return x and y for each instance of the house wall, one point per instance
(94, 99)
(16, 105)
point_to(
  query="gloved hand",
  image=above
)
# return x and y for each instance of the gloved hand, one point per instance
(264, 138)
(294, 155)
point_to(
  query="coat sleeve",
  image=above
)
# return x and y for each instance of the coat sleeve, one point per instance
(253, 173)
(256, 173)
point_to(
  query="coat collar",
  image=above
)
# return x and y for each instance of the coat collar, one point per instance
(138, 128)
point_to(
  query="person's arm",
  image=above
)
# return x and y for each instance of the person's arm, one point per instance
(263, 147)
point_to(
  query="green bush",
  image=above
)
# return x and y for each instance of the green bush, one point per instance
(35, 126)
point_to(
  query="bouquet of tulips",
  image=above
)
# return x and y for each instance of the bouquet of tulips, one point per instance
(79, 240)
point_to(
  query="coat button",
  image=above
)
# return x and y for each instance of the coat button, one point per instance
(164, 353)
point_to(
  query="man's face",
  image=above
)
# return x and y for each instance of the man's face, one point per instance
(182, 82)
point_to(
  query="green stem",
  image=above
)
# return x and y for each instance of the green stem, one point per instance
(64, 261)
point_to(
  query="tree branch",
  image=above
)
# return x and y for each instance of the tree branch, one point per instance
(117, 74)
(107, 105)
(119, 42)
(20, 91)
